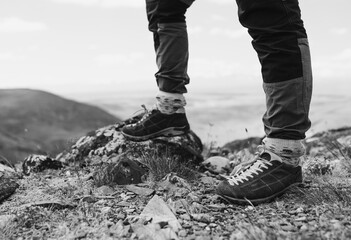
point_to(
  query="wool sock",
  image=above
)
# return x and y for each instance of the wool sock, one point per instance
(290, 151)
(169, 103)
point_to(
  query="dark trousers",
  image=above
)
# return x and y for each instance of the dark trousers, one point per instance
(280, 41)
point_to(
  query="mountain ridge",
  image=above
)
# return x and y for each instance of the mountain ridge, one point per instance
(35, 121)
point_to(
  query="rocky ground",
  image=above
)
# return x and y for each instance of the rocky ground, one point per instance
(176, 200)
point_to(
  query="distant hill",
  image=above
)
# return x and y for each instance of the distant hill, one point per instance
(33, 121)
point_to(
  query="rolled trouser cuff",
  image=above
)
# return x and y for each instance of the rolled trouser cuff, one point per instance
(286, 116)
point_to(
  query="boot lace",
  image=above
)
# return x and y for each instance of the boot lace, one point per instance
(147, 113)
(249, 169)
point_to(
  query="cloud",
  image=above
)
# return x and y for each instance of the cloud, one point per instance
(337, 66)
(222, 2)
(228, 32)
(217, 18)
(105, 3)
(340, 31)
(8, 56)
(118, 60)
(17, 25)
(79, 2)
(119, 3)
(195, 30)
(345, 55)
(213, 68)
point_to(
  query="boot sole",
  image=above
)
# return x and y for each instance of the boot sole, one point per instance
(257, 201)
(168, 132)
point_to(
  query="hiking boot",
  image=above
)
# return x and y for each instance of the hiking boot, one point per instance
(261, 180)
(156, 124)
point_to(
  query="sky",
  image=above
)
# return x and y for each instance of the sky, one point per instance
(95, 46)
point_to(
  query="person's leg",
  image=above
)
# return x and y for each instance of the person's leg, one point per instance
(167, 23)
(280, 41)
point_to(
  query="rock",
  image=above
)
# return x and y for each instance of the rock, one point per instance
(153, 232)
(124, 161)
(105, 210)
(218, 207)
(304, 227)
(50, 204)
(104, 191)
(8, 181)
(125, 171)
(192, 197)
(318, 166)
(336, 224)
(172, 178)
(130, 210)
(156, 221)
(38, 163)
(158, 210)
(249, 208)
(301, 219)
(88, 199)
(248, 231)
(179, 206)
(345, 140)
(7, 187)
(174, 185)
(182, 233)
(208, 180)
(203, 236)
(300, 210)
(121, 216)
(202, 217)
(107, 141)
(212, 225)
(185, 217)
(5, 220)
(8, 172)
(140, 190)
(217, 164)
(288, 228)
(196, 207)
(123, 204)
(329, 142)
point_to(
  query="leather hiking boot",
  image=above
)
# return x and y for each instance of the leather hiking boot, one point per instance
(261, 180)
(156, 124)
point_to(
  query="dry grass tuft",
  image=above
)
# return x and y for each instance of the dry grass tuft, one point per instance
(161, 164)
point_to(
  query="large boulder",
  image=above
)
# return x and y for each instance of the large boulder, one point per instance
(108, 142)
(8, 181)
(117, 160)
(122, 161)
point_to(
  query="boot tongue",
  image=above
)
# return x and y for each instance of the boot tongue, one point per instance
(266, 156)
(270, 156)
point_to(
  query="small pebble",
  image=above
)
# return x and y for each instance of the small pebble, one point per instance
(121, 216)
(105, 210)
(130, 210)
(185, 217)
(182, 233)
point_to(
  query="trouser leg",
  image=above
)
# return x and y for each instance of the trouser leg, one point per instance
(280, 41)
(167, 23)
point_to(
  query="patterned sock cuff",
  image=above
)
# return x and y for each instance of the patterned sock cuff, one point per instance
(289, 150)
(169, 103)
